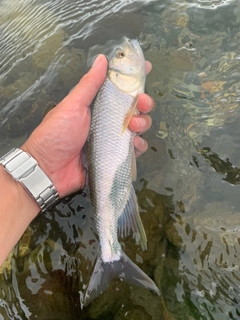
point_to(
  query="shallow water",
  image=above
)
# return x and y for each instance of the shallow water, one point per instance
(188, 181)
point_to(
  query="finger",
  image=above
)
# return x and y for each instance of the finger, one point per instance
(145, 103)
(148, 67)
(140, 145)
(87, 88)
(140, 123)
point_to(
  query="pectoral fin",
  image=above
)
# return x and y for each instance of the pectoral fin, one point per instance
(134, 166)
(132, 111)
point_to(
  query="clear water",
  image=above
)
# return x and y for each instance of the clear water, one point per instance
(188, 181)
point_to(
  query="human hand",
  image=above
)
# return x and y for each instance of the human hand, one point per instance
(57, 143)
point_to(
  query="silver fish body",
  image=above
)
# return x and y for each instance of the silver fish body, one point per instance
(111, 162)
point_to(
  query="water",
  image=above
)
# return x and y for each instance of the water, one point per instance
(188, 181)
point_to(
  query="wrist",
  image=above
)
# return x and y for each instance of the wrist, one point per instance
(24, 169)
(18, 195)
(67, 175)
(18, 209)
(27, 147)
(43, 163)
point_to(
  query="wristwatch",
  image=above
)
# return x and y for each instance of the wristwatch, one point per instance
(24, 169)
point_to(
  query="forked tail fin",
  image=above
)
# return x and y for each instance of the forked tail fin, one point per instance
(124, 269)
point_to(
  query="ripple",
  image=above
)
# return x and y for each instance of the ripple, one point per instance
(23, 30)
(211, 4)
(34, 33)
(26, 24)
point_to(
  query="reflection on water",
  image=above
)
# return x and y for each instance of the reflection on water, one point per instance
(188, 181)
(211, 4)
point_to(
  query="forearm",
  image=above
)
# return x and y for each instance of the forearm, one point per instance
(17, 210)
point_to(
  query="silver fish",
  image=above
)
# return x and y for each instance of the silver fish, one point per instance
(112, 167)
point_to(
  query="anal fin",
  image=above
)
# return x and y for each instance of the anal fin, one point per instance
(130, 220)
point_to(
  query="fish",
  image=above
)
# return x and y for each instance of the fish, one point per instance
(111, 165)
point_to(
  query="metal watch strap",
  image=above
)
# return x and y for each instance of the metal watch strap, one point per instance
(24, 169)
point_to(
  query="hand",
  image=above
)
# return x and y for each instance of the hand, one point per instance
(57, 143)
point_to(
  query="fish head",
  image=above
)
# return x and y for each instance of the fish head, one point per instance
(127, 69)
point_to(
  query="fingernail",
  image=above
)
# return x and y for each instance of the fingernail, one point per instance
(141, 141)
(97, 60)
(141, 123)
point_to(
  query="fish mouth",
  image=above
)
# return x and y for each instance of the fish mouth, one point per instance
(134, 43)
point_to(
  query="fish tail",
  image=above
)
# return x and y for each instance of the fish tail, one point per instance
(123, 269)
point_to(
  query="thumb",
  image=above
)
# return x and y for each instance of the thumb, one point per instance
(87, 88)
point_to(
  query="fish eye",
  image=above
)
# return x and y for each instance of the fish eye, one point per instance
(120, 53)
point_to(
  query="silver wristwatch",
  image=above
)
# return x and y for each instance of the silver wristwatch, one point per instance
(24, 169)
